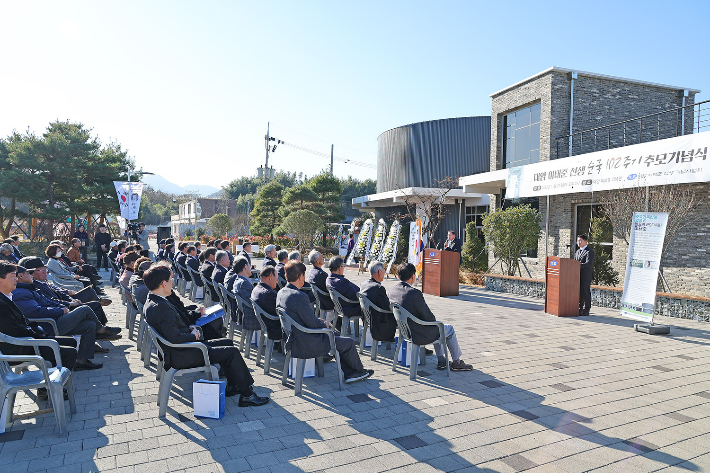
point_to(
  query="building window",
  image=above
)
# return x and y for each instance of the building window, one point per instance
(533, 202)
(584, 213)
(521, 137)
(475, 214)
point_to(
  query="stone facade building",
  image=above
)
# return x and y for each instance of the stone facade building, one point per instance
(532, 120)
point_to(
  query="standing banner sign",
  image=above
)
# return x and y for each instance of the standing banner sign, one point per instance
(645, 248)
(129, 198)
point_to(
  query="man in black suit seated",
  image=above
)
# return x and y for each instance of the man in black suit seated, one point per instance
(221, 267)
(166, 321)
(413, 301)
(264, 295)
(269, 255)
(181, 257)
(224, 246)
(312, 345)
(382, 325)
(585, 256)
(16, 247)
(317, 277)
(306, 289)
(193, 263)
(282, 256)
(207, 269)
(246, 250)
(347, 289)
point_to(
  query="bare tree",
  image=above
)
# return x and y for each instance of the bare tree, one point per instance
(428, 204)
(676, 200)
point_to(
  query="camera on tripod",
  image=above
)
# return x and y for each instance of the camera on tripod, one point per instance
(132, 230)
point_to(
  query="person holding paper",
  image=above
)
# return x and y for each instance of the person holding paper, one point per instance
(585, 256)
(165, 320)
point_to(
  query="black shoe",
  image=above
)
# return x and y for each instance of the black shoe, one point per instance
(43, 395)
(113, 330)
(87, 365)
(441, 365)
(99, 349)
(221, 373)
(428, 352)
(107, 336)
(358, 375)
(252, 400)
(231, 391)
(327, 358)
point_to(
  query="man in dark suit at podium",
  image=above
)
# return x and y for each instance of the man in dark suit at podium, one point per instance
(585, 256)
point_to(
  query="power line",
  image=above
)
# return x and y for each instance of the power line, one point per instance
(324, 141)
(325, 155)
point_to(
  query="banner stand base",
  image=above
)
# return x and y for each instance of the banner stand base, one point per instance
(653, 329)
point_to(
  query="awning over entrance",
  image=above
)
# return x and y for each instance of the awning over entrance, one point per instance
(485, 183)
(397, 197)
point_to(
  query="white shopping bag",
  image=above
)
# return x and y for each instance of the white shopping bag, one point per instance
(406, 355)
(200, 292)
(208, 398)
(308, 372)
(368, 339)
(188, 286)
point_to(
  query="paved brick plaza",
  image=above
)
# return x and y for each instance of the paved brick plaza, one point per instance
(546, 394)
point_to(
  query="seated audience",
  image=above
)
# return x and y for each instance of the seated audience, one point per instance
(14, 324)
(7, 253)
(306, 289)
(312, 345)
(382, 325)
(136, 285)
(224, 246)
(282, 256)
(83, 270)
(113, 252)
(198, 245)
(269, 255)
(181, 256)
(80, 321)
(264, 295)
(129, 260)
(59, 270)
(243, 287)
(16, 247)
(160, 255)
(193, 262)
(207, 269)
(246, 252)
(413, 301)
(170, 252)
(221, 267)
(36, 268)
(340, 283)
(317, 277)
(166, 321)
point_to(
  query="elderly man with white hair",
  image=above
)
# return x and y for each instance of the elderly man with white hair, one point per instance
(316, 277)
(382, 324)
(269, 255)
(7, 253)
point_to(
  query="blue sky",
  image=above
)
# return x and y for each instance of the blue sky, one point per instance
(188, 87)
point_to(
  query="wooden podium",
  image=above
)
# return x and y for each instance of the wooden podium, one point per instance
(441, 272)
(562, 287)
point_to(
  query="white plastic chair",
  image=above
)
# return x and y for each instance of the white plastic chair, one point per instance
(207, 285)
(264, 337)
(246, 334)
(289, 325)
(182, 281)
(337, 297)
(196, 276)
(166, 377)
(52, 379)
(366, 305)
(402, 315)
(327, 315)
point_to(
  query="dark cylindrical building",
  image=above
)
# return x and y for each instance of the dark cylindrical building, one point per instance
(416, 155)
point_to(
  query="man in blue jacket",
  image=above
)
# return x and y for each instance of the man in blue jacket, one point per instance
(80, 321)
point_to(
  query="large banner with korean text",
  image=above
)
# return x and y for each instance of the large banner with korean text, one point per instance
(683, 159)
(129, 198)
(642, 263)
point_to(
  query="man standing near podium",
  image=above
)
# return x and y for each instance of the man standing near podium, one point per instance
(585, 256)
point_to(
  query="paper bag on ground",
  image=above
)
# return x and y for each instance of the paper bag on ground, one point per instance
(208, 398)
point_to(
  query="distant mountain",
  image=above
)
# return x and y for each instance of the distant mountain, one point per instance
(158, 182)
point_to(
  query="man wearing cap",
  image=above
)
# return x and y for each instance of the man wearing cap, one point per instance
(80, 321)
(38, 271)
(102, 240)
(269, 255)
(338, 282)
(14, 324)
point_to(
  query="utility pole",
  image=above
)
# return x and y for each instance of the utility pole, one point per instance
(331, 159)
(268, 145)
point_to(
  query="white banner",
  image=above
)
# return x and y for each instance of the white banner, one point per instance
(413, 243)
(671, 161)
(642, 263)
(129, 198)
